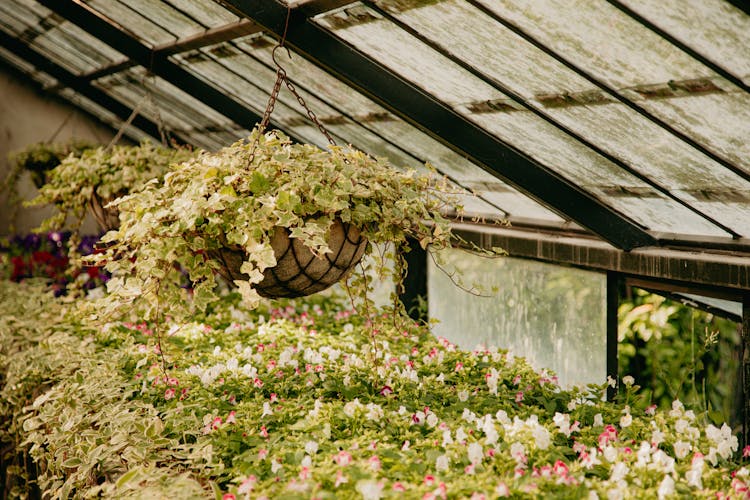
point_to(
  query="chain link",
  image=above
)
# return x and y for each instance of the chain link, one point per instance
(281, 77)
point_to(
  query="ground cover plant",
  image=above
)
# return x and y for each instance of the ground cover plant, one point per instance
(310, 400)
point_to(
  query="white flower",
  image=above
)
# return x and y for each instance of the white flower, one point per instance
(681, 449)
(677, 408)
(432, 420)
(306, 462)
(461, 435)
(542, 437)
(463, 395)
(468, 415)
(666, 488)
(562, 421)
(447, 439)
(351, 407)
(267, 410)
(441, 463)
(374, 412)
(311, 447)
(657, 437)
(626, 420)
(628, 380)
(610, 454)
(475, 453)
(598, 420)
(502, 417)
(369, 489)
(518, 452)
(276, 467)
(680, 425)
(619, 471)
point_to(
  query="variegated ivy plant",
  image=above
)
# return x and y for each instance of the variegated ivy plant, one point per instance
(239, 196)
(107, 172)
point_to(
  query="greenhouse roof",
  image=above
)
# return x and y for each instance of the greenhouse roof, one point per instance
(610, 134)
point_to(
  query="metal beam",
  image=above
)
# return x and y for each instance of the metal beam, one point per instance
(439, 121)
(75, 83)
(209, 37)
(159, 64)
(613, 304)
(721, 273)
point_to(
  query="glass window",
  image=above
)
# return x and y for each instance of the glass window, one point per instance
(538, 311)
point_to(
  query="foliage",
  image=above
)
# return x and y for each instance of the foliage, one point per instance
(106, 172)
(41, 157)
(236, 198)
(677, 352)
(37, 256)
(308, 401)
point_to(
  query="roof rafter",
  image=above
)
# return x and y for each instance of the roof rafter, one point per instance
(209, 37)
(157, 63)
(77, 84)
(439, 121)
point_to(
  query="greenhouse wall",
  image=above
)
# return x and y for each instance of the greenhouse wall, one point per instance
(27, 117)
(553, 315)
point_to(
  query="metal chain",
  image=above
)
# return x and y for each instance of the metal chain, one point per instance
(310, 112)
(281, 77)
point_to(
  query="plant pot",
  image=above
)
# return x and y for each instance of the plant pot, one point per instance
(298, 272)
(107, 218)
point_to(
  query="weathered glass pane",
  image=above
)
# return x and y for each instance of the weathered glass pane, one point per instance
(714, 28)
(164, 15)
(207, 12)
(148, 32)
(539, 311)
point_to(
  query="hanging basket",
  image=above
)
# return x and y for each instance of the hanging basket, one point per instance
(108, 218)
(299, 272)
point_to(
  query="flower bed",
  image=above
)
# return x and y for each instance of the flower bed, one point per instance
(308, 401)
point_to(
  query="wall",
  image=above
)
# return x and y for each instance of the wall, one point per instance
(27, 116)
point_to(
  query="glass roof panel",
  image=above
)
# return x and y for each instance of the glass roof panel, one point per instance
(104, 115)
(28, 69)
(207, 12)
(603, 40)
(505, 57)
(544, 142)
(160, 100)
(166, 16)
(70, 46)
(15, 18)
(141, 27)
(385, 42)
(714, 28)
(642, 66)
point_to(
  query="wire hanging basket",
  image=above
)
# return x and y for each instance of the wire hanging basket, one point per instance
(298, 271)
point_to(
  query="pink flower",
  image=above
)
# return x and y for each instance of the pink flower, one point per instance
(516, 380)
(304, 473)
(340, 478)
(263, 431)
(746, 451)
(246, 486)
(274, 397)
(469, 469)
(183, 393)
(429, 480)
(172, 381)
(262, 454)
(228, 496)
(169, 393)
(258, 382)
(560, 468)
(398, 487)
(216, 423)
(231, 417)
(386, 390)
(502, 490)
(651, 410)
(343, 458)
(374, 462)
(519, 396)
(609, 434)
(459, 366)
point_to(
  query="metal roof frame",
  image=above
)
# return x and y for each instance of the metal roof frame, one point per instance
(442, 123)
(157, 63)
